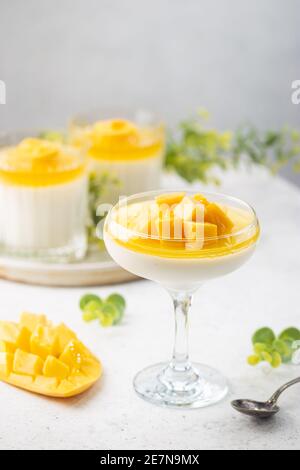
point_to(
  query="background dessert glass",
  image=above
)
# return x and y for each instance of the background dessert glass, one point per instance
(43, 200)
(181, 266)
(125, 151)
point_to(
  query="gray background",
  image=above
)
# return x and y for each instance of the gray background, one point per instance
(237, 58)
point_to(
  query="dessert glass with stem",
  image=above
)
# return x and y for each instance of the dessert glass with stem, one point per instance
(143, 238)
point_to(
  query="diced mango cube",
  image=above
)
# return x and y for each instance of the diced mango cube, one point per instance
(65, 387)
(215, 215)
(65, 335)
(6, 363)
(188, 210)
(30, 320)
(169, 227)
(149, 227)
(46, 383)
(9, 332)
(78, 379)
(21, 380)
(169, 199)
(7, 347)
(200, 198)
(90, 367)
(23, 341)
(27, 363)
(144, 223)
(44, 341)
(73, 354)
(198, 231)
(55, 368)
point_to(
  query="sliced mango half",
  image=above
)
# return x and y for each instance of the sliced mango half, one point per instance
(45, 359)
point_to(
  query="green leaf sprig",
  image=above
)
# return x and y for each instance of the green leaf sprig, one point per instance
(195, 151)
(53, 136)
(271, 349)
(108, 312)
(98, 185)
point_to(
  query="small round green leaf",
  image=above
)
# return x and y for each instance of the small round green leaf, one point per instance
(52, 136)
(105, 319)
(117, 300)
(261, 347)
(253, 360)
(290, 334)
(267, 357)
(113, 311)
(276, 360)
(89, 316)
(281, 347)
(86, 299)
(264, 335)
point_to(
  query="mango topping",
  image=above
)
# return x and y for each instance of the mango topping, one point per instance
(215, 215)
(169, 199)
(181, 225)
(45, 359)
(37, 162)
(119, 140)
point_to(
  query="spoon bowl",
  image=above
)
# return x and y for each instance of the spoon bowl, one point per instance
(255, 409)
(259, 409)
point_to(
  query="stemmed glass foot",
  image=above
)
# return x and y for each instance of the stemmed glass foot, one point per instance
(180, 383)
(197, 387)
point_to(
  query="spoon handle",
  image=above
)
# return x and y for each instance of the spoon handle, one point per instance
(274, 398)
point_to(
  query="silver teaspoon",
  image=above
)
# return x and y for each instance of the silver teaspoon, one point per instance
(262, 409)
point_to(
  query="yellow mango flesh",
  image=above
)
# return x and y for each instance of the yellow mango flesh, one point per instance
(200, 198)
(55, 368)
(194, 230)
(215, 215)
(31, 320)
(27, 363)
(45, 359)
(169, 199)
(6, 363)
(6, 347)
(185, 226)
(23, 341)
(188, 210)
(9, 332)
(64, 335)
(44, 341)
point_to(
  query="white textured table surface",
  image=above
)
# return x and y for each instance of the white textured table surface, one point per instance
(224, 315)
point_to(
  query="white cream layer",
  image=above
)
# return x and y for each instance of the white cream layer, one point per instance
(176, 273)
(42, 218)
(134, 176)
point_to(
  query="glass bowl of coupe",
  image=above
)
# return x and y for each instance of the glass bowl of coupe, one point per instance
(43, 200)
(181, 240)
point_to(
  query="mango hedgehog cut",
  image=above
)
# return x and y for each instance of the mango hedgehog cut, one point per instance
(45, 359)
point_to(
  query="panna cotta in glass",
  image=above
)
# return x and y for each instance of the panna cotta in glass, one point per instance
(124, 157)
(181, 240)
(43, 201)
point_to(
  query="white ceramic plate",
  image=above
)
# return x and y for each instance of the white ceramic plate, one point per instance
(96, 269)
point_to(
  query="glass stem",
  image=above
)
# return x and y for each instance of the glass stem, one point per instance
(182, 302)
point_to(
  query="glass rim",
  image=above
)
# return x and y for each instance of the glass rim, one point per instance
(95, 114)
(253, 225)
